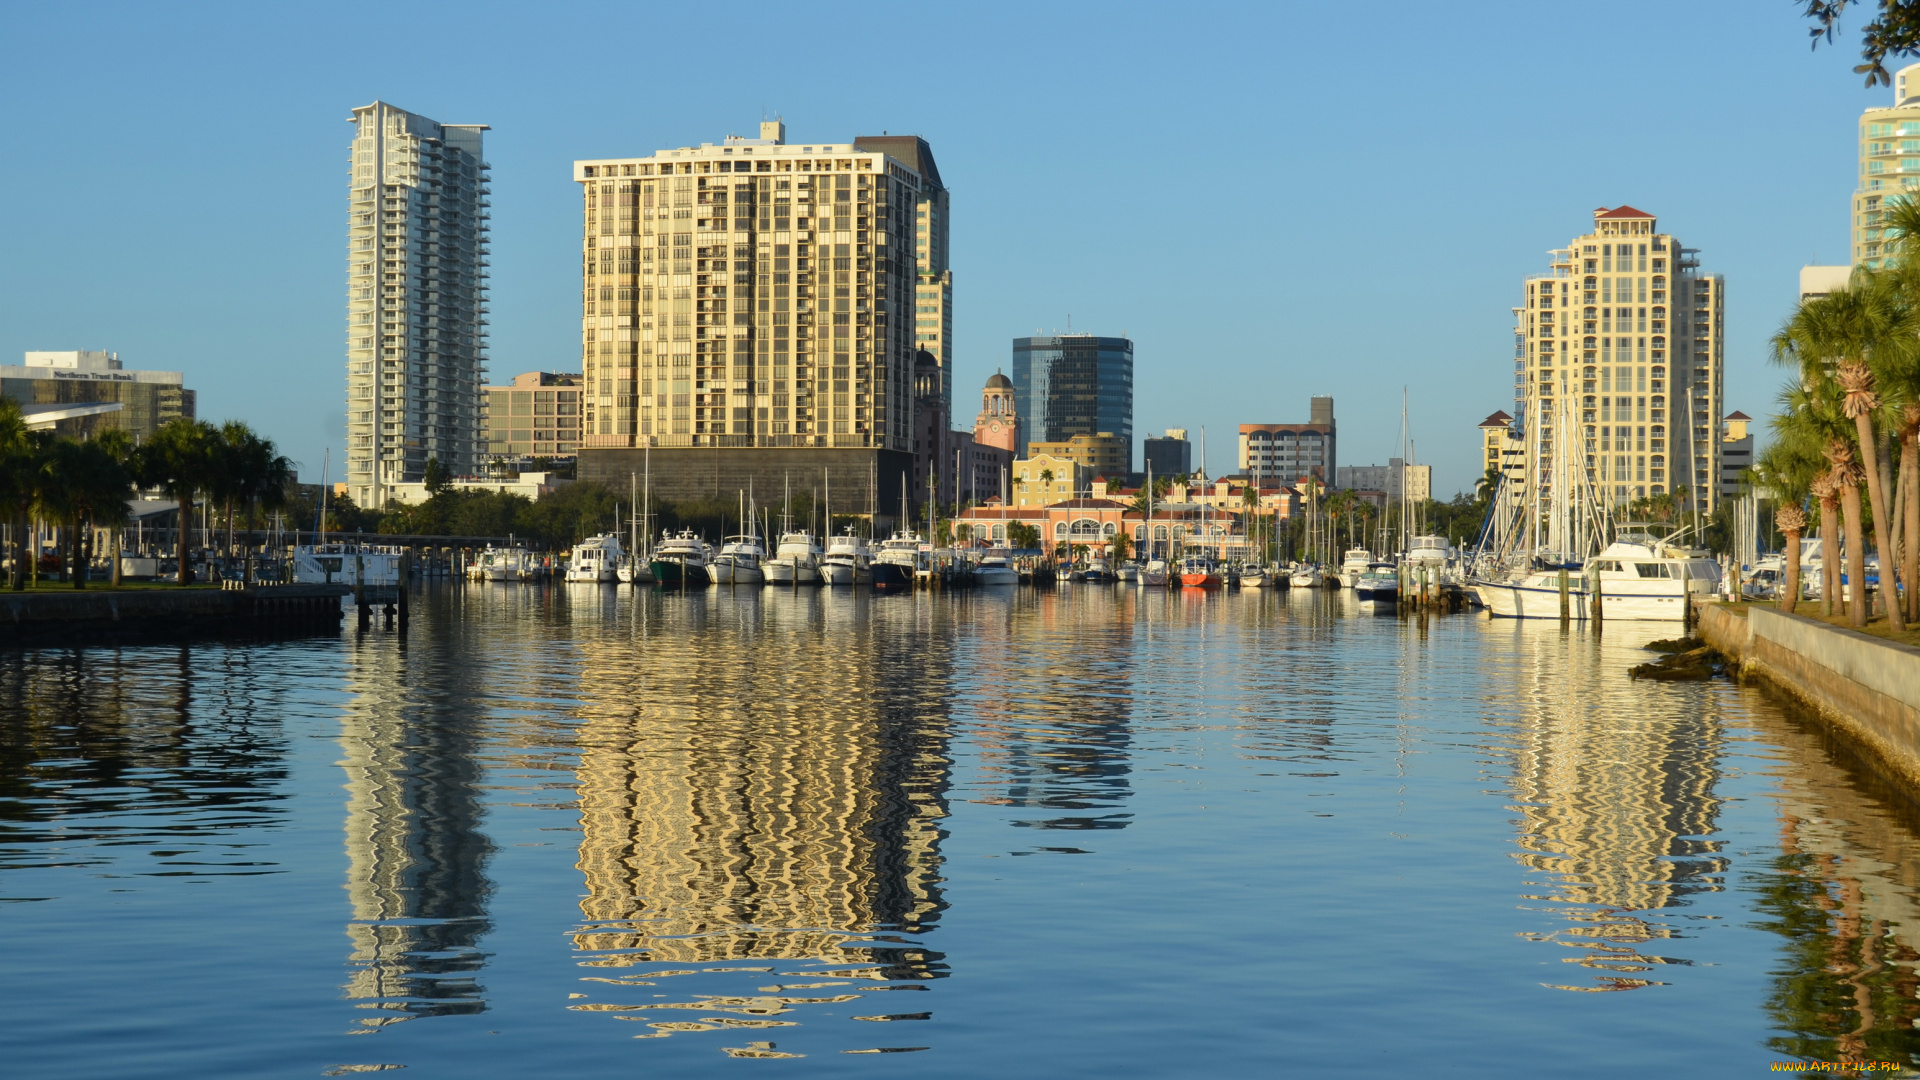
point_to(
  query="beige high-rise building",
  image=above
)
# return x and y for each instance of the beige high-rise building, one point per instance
(752, 293)
(416, 299)
(1889, 163)
(1622, 345)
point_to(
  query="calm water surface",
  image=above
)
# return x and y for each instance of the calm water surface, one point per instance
(1092, 832)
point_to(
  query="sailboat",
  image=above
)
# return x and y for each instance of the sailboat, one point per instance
(741, 556)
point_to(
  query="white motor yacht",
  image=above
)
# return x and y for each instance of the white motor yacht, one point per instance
(740, 562)
(1639, 577)
(996, 568)
(1127, 573)
(346, 564)
(796, 561)
(1429, 551)
(595, 559)
(848, 561)
(1353, 565)
(1378, 583)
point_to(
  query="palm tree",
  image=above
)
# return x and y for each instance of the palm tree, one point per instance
(1788, 468)
(18, 449)
(1898, 370)
(82, 485)
(177, 459)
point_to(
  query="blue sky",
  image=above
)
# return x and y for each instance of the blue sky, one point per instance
(1272, 200)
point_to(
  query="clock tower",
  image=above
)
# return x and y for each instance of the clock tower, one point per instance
(997, 423)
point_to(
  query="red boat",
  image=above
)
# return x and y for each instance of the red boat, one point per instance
(1198, 573)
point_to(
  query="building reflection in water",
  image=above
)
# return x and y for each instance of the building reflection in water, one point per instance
(1614, 787)
(762, 779)
(1844, 896)
(416, 855)
(1052, 723)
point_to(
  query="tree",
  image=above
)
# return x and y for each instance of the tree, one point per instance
(1122, 544)
(438, 479)
(18, 469)
(1893, 31)
(1788, 469)
(178, 459)
(82, 485)
(1831, 339)
(1022, 535)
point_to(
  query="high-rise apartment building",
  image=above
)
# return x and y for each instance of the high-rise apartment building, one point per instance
(1073, 384)
(416, 299)
(754, 295)
(1889, 163)
(1625, 354)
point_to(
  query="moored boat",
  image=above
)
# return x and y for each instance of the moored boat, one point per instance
(594, 559)
(892, 569)
(848, 560)
(1378, 583)
(1156, 572)
(684, 561)
(1200, 572)
(740, 562)
(1640, 577)
(995, 568)
(1353, 565)
(1306, 576)
(796, 561)
(1255, 576)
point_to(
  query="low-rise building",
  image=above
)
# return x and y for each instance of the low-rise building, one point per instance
(79, 392)
(1103, 454)
(536, 416)
(1043, 480)
(532, 485)
(1396, 479)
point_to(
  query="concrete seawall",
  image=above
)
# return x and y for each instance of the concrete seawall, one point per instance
(86, 616)
(1865, 688)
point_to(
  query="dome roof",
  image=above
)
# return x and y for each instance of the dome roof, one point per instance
(998, 381)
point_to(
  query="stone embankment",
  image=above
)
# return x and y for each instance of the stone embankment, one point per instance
(1866, 688)
(103, 616)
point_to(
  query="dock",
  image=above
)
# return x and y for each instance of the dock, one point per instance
(66, 616)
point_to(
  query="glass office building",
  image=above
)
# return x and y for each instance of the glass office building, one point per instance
(1073, 384)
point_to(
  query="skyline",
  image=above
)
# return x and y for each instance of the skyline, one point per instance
(1135, 218)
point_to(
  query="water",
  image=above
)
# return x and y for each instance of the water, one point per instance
(1092, 832)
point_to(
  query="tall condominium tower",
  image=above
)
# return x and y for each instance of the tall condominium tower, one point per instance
(1623, 353)
(753, 294)
(1889, 162)
(1073, 384)
(416, 299)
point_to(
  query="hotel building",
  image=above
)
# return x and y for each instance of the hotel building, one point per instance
(752, 295)
(1624, 349)
(416, 298)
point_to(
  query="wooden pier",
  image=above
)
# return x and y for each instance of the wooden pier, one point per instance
(111, 616)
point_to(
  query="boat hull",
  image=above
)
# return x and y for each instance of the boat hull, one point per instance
(1200, 581)
(1507, 600)
(837, 573)
(892, 577)
(995, 575)
(672, 572)
(1377, 593)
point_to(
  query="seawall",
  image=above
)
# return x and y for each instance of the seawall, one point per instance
(98, 616)
(1866, 688)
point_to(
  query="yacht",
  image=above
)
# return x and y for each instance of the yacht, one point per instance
(1097, 571)
(995, 568)
(1353, 565)
(1199, 572)
(595, 559)
(893, 568)
(739, 562)
(683, 560)
(1306, 576)
(848, 561)
(1255, 576)
(1155, 572)
(635, 569)
(1379, 582)
(346, 564)
(1127, 573)
(504, 564)
(796, 561)
(1640, 577)
(1431, 551)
